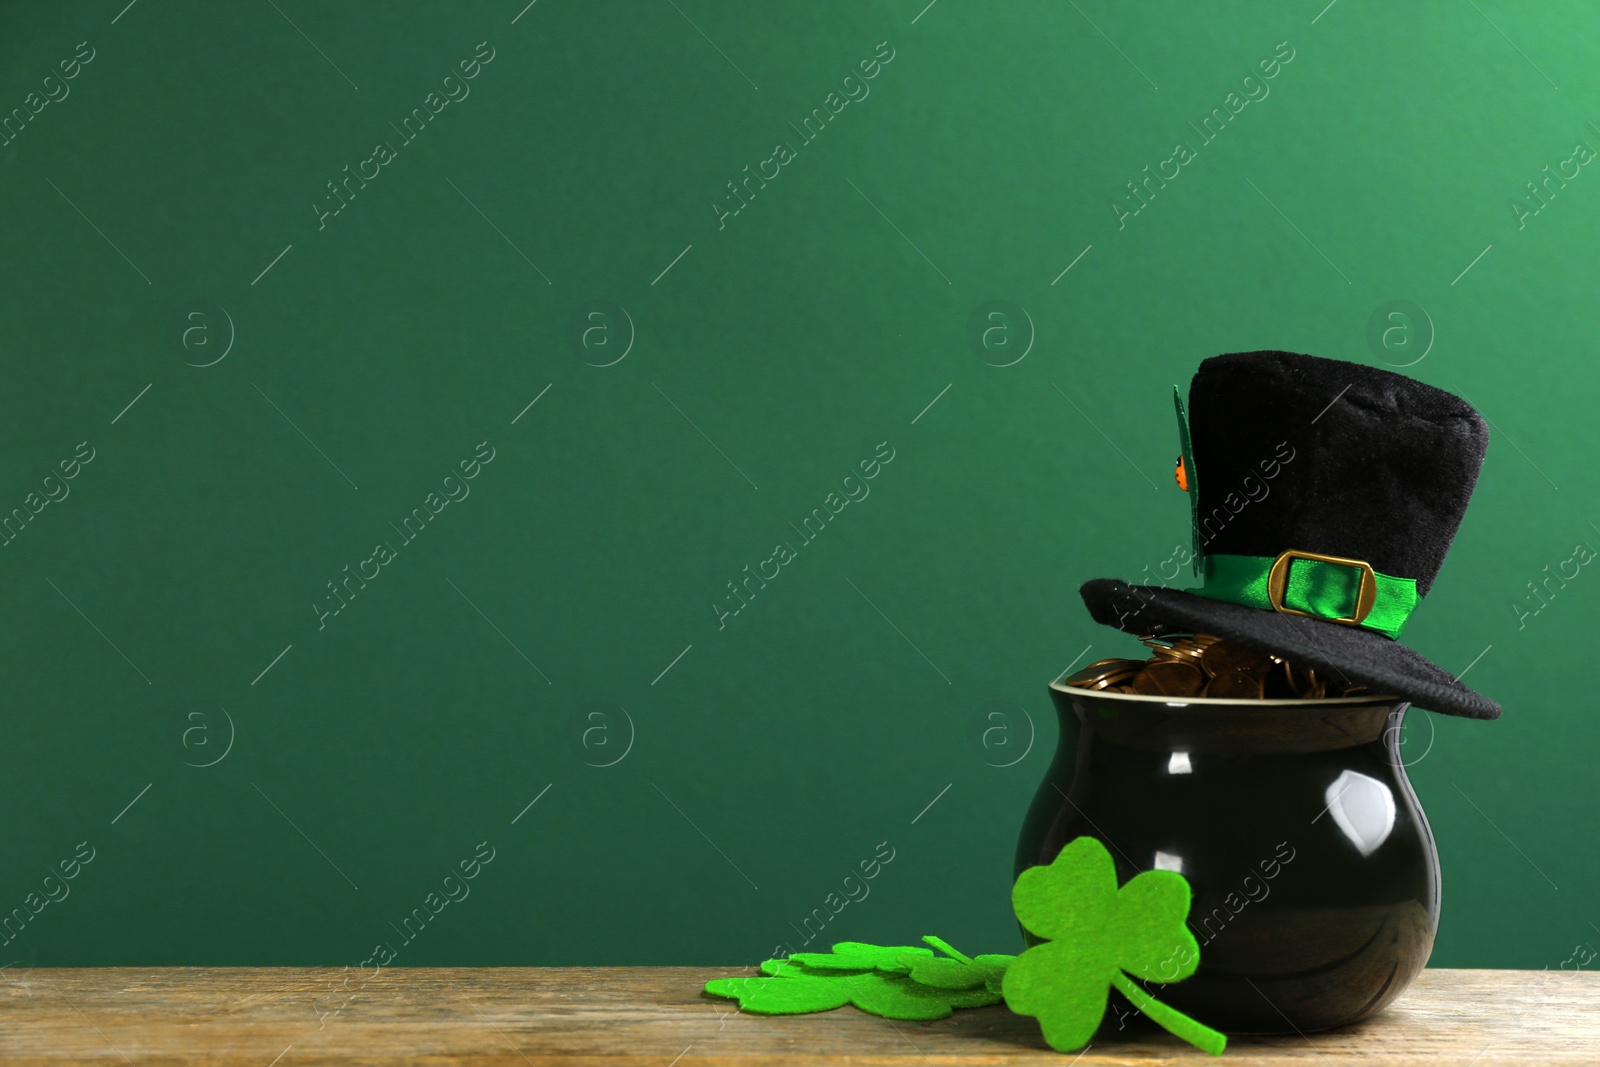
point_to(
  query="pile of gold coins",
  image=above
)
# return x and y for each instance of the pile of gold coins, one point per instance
(1203, 665)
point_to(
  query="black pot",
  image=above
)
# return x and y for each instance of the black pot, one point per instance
(1314, 872)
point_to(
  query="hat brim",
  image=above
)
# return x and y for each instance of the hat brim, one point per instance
(1348, 653)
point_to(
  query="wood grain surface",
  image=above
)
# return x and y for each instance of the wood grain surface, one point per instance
(658, 1016)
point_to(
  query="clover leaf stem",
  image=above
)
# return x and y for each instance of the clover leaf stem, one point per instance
(1169, 1018)
(942, 946)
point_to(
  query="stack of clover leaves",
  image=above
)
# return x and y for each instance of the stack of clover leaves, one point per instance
(1093, 935)
(897, 983)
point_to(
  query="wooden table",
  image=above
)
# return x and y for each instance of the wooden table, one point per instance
(658, 1016)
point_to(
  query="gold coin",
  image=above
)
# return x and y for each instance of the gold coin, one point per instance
(1168, 678)
(1181, 644)
(1185, 650)
(1236, 685)
(1103, 681)
(1191, 665)
(1300, 678)
(1221, 657)
(1116, 681)
(1104, 673)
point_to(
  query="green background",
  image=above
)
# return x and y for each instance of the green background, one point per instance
(561, 616)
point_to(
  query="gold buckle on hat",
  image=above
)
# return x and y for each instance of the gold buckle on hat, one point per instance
(1278, 580)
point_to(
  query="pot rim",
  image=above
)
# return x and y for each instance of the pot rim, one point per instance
(1141, 698)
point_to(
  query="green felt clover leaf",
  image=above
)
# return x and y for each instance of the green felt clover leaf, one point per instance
(959, 971)
(856, 956)
(891, 996)
(1096, 935)
(781, 996)
(786, 969)
(897, 982)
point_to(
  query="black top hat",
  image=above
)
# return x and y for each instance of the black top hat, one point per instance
(1325, 495)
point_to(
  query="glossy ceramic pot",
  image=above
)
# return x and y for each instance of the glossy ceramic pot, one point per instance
(1314, 873)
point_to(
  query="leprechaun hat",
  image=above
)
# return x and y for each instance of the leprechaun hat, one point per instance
(1324, 496)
